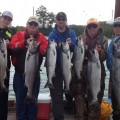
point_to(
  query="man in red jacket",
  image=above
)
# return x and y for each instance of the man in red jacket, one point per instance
(18, 45)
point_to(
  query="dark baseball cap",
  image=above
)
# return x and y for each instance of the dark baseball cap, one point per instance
(61, 15)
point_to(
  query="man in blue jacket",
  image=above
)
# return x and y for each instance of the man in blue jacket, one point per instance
(60, 33)
(116, 39)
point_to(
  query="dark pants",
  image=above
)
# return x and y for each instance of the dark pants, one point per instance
(23, 111)
(69, 103)
(116, 110)
(4, 100)
(57, 97)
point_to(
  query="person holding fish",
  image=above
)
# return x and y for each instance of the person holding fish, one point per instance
(28, 48)
(65, 39)
(5, 35)
(112, 63)
(90, 88)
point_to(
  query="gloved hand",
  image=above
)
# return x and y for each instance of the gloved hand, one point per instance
(27, 42)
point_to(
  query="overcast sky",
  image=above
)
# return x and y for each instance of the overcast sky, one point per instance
(78, 11)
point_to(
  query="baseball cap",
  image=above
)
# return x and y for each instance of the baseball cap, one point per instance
(92, 21)
(117, 20)
(33, 19)
(61, 15)
(8, 14)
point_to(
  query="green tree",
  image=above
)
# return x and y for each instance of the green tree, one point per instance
(46, 19)
(13, 29)
(79, 29)
(108, 30)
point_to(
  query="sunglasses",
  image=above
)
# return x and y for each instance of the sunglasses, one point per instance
(92, 26)
(33, 23)
(116, 25)
(61, 19)
(7, 18)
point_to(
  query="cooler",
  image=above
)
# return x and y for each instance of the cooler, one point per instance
(44, 105)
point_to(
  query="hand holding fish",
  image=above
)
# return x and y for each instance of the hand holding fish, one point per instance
(7, 42)
(69, 41)
(98, 48)
(27, 42)
(80, 37)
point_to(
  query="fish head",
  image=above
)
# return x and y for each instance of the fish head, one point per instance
(34, 47)
(65, 47)
(79, 42)
(93, 55)
(2, 45)
(51, 44)
(116, 49)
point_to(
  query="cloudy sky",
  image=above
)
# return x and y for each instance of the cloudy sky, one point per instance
(78, 11)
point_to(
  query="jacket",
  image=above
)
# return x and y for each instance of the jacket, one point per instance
(110, 52)
(59, 38)
(99, 39)
(18, 49)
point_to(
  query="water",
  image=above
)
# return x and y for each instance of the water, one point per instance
(44, 80)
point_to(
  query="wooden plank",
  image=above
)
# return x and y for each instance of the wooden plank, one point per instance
(12, 116)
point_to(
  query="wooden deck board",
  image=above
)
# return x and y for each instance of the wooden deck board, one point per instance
(12, 116)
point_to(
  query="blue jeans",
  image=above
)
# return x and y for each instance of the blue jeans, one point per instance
(23, 111)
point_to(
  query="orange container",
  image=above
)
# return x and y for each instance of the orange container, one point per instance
(44, 107)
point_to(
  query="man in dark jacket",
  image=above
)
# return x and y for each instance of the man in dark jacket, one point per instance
(60, 34)
(93, 39)
(5, 21)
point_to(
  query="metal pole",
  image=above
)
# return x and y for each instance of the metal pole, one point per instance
(33, 11)
(112, 15)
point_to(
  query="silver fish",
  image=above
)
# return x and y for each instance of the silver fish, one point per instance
(116, 72)
(94, 75)
(31, 69)
(66, 65)
(51, 63)
(78, 57)
(3, 65)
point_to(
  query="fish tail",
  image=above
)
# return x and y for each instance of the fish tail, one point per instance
(50, 85)
(3, 90)
(29, 100)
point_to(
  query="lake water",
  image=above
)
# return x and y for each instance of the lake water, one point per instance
(43, 81)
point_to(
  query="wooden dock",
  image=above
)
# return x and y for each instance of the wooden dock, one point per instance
(12, 113)
(11, 116)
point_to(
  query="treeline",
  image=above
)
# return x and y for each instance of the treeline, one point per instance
(79, 29)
